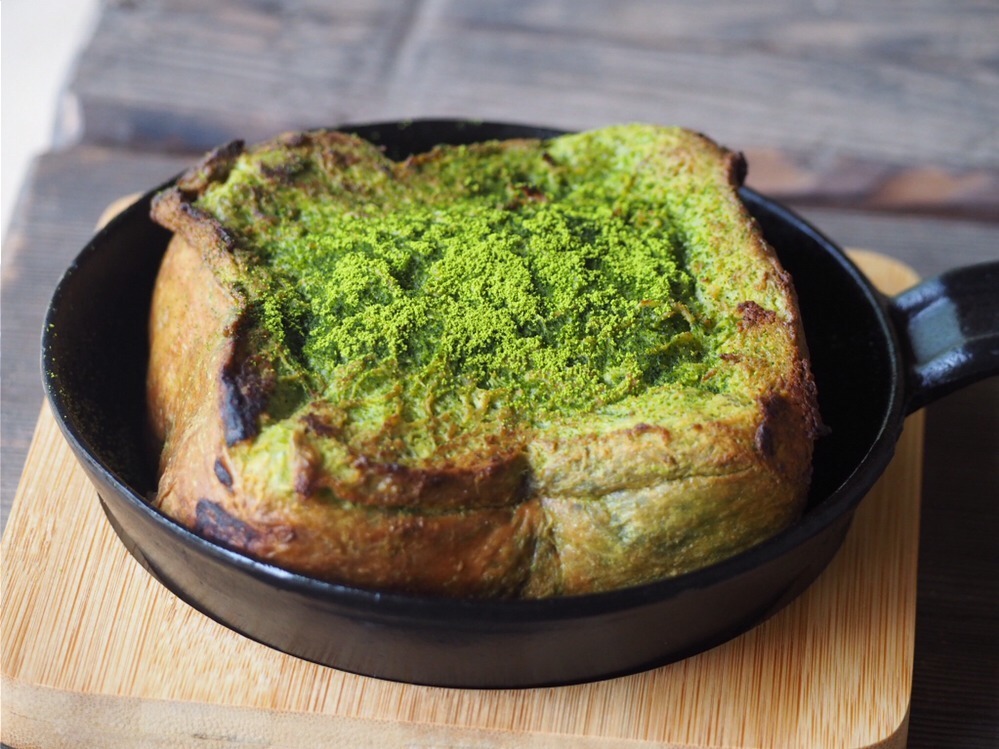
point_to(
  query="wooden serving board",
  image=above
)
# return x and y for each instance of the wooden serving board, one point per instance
(96, 653)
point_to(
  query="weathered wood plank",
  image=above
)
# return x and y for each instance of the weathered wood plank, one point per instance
(179, 74)
(875, 80)
(930, 245)
(869, 103)
(955, 692)
(62, 200)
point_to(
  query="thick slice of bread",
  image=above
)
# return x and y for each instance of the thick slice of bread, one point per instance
(516, 368)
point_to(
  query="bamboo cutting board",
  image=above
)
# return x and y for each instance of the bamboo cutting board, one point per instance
(96, 653)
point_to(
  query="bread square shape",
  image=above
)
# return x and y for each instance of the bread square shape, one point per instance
(517, 368)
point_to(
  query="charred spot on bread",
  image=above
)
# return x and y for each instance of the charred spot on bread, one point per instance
(753, 314)
(222, 473)
(214, 523)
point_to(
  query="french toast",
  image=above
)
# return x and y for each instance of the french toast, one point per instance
(517, 368)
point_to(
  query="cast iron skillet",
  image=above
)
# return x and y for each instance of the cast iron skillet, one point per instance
(875, 360)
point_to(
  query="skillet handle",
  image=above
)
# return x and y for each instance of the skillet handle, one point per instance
(949, 326)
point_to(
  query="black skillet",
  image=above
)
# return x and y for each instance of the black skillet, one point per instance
(875, 360)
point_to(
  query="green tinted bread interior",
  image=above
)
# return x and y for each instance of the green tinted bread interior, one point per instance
(508, 297)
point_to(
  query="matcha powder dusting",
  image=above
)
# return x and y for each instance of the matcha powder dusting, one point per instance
(513, 288)
(511, 369)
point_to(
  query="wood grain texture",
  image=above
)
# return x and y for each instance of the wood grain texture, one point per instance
(955, 699)
(96, 652)
(877, 103)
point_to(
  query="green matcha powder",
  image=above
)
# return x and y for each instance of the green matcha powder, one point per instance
(487, 284)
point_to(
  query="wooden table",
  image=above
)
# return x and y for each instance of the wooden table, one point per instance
(877, 121)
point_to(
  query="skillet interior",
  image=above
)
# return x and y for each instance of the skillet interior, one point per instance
(94, 359)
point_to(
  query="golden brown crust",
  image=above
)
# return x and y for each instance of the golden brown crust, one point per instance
(609, 503)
